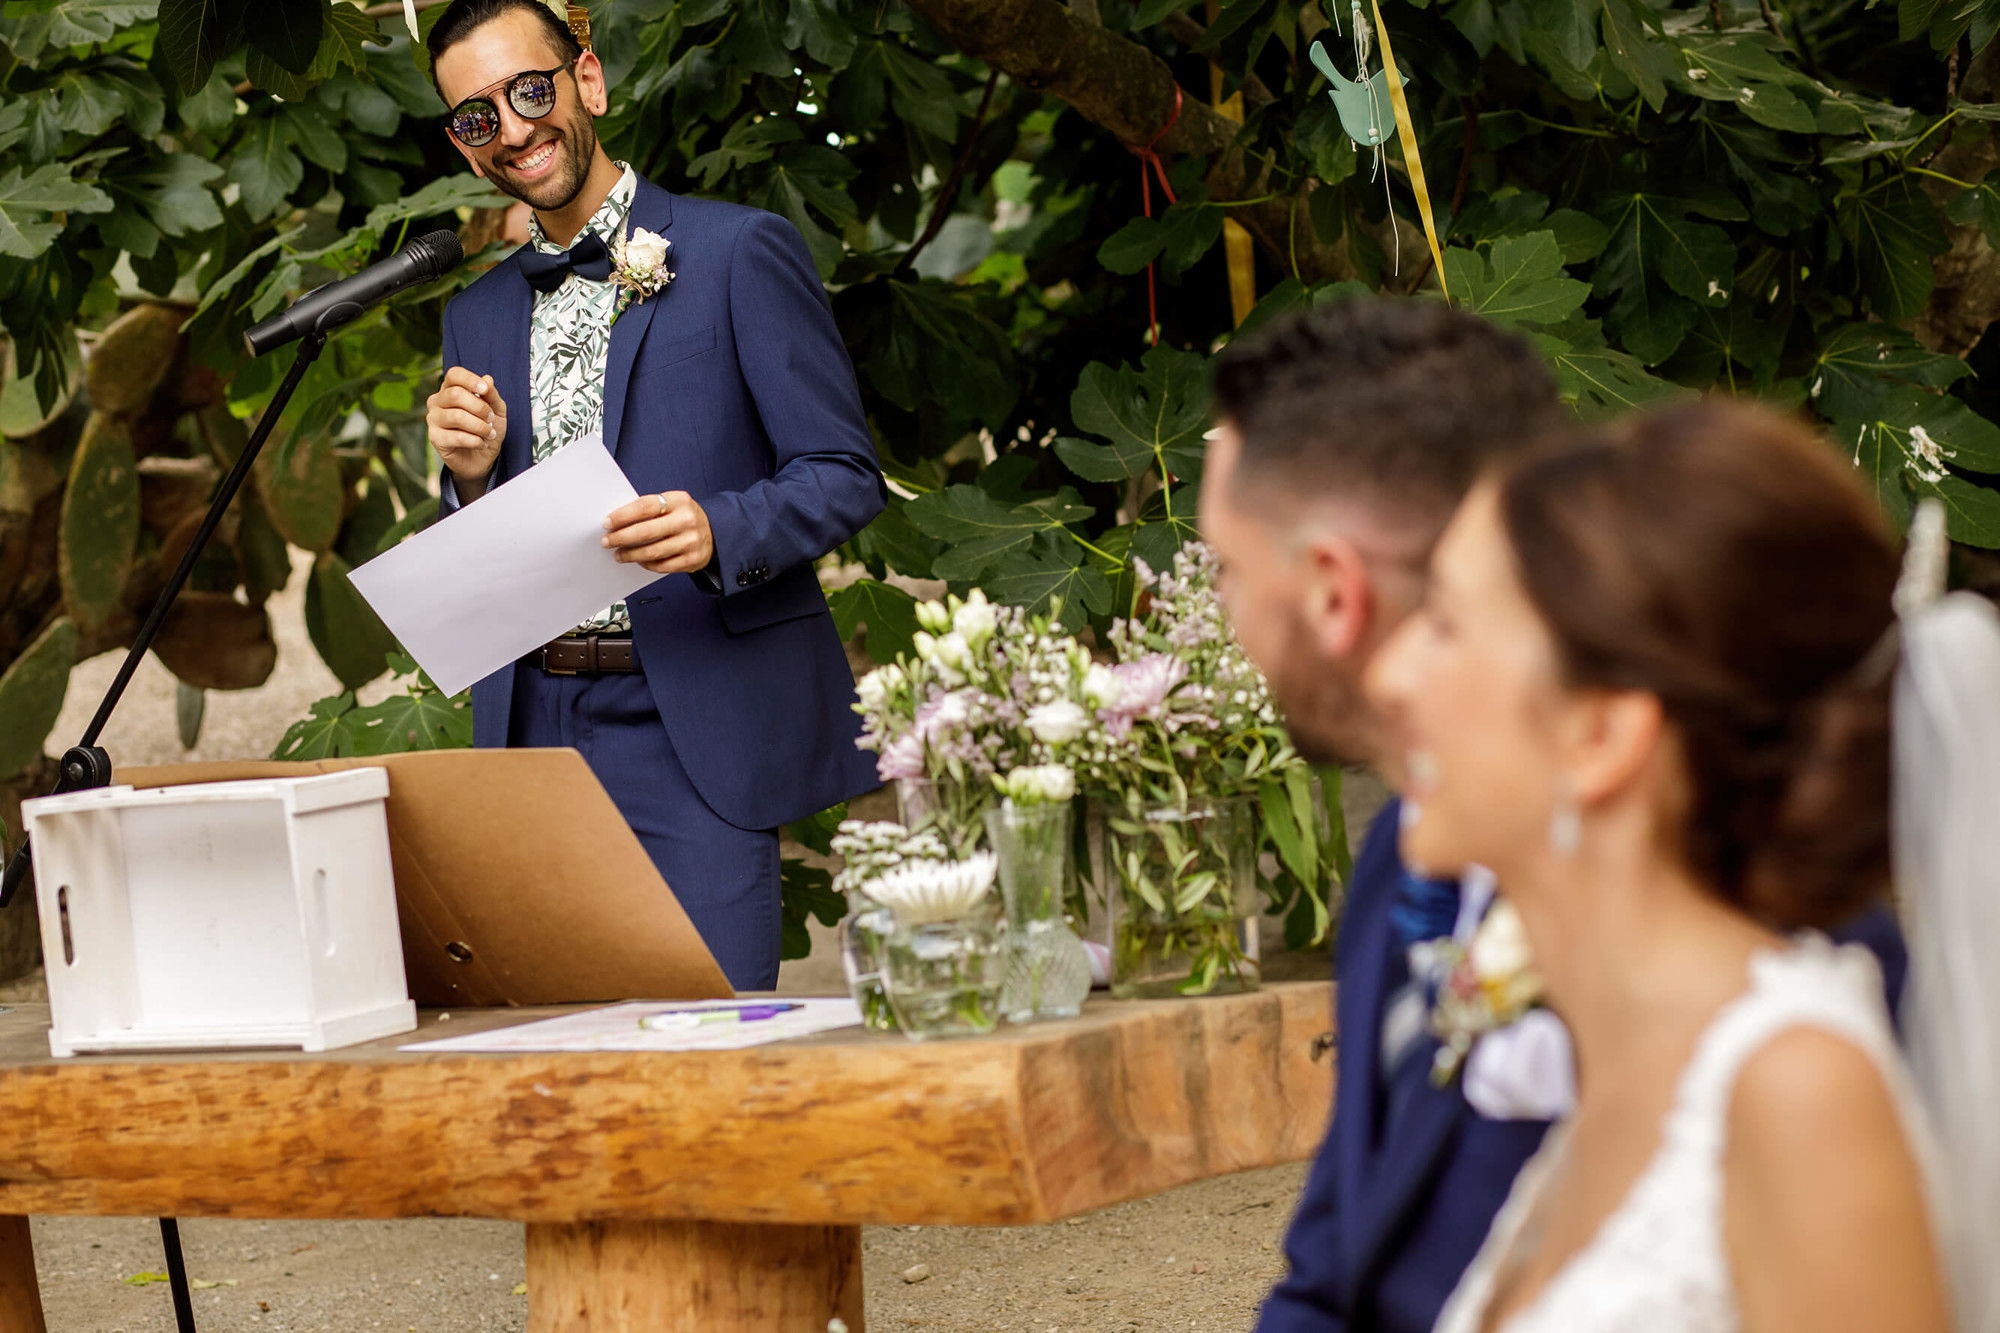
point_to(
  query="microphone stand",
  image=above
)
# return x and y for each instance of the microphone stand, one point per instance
(86, 765)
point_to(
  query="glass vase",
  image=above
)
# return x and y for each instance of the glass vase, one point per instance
(1179, 889)
(943, 978)
(1048, 970)
(955, 811)
(862, 935)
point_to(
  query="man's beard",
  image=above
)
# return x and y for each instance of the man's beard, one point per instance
(1328, 719)
(575, 147)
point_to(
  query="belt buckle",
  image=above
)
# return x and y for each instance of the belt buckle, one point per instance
(556, 670)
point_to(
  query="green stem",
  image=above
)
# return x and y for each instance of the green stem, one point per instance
(1939, 175)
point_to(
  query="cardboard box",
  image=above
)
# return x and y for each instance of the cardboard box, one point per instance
(517, 880)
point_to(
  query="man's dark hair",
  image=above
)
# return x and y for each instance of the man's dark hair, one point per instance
(462, 16)
(1403, 401)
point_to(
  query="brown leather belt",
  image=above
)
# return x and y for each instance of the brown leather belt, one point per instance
(586, 655)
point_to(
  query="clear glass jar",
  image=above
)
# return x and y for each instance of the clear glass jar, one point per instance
(955, 811)
(943, 978)
(1048, 970)
(862, 934)
(1179, 886)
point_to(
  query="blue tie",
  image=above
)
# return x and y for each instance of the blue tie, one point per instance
(1425, 909)
(588, 258)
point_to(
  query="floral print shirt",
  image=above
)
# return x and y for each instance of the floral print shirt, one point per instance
(569, 339)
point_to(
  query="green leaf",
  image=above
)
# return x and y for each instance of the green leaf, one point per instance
(31, 695)
(1972, 513)
(288, 31)
(1103, 462)
(70, 23)
(27, 200)
(325, 733)
(816, 832)
(926, 334)
(747, 142)
(349, 32)
(210, 110)
(228, 282)
(320, 142)
(421, 718)
(350, 637)
(1178, 238)
(1979, 206)
(1293, 297)
(264, 167)
(1160, 408)
(826, 36)
(889, 613)
(1600, 382)
(1657, 265)
(981, 530)
(1629, 42)
(1742, 71)
(1860, 361)
(1894, 231)
(195, 34)
(190, 704)
(99, 525)
(804, 891)
(176, 193)
(1036, 582)
(1932, 430)
(1520, 280)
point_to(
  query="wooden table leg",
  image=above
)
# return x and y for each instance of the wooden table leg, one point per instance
(21, 1299)
(691, 1277)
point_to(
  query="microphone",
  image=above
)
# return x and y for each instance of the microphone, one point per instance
(425, 259)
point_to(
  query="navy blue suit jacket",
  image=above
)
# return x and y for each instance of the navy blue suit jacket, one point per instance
(1395, 1207)
(734, 386)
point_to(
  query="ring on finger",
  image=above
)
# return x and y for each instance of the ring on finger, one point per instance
(665, 504)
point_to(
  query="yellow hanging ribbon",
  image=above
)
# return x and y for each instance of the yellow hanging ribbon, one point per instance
(1408, 133)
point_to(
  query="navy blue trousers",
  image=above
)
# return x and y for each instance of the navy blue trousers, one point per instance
(726, 877)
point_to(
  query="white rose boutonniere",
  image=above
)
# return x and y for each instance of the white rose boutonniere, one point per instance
(642, 267)
(1485, 985)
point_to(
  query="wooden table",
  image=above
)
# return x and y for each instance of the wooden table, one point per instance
(714, 1191)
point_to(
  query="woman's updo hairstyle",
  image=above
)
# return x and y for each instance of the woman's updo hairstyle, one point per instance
(1725, 559)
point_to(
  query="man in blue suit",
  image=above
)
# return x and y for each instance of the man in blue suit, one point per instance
(1346, 439)
(714, 705)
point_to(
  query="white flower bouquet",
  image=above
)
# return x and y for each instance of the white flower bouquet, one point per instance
(991, 691)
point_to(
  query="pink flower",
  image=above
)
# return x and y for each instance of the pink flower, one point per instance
(901, 758)
(1143, 686)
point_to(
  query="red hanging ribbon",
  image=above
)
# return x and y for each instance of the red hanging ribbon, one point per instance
(1148, 157)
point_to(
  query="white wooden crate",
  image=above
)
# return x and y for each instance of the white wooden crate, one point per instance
(224, 914)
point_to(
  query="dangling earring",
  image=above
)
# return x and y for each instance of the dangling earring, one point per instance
(1566, 824)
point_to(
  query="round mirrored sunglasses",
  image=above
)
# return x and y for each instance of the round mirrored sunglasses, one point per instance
(532, 93)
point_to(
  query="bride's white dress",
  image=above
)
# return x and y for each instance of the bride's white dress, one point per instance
(1657, 1263)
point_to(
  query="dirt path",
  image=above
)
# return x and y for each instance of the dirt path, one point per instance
(1195, 1258)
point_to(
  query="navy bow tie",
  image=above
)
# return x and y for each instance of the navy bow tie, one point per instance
(588, 258)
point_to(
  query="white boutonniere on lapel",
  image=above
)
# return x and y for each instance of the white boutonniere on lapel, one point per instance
(1484, 985)
(641, 266)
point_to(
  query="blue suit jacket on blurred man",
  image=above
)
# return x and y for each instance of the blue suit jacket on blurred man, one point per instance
(1400, 1197)
(732, 385)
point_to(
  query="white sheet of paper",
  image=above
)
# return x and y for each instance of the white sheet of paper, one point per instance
(507, 574)
(616, 1028)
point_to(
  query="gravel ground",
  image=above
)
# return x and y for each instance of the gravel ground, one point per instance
(1201, 1257)
(1195, 1258)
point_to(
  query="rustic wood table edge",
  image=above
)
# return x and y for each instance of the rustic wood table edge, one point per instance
(713, 1190)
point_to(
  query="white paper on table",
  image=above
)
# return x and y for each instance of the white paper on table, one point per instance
(507, 574)
(617, 1029)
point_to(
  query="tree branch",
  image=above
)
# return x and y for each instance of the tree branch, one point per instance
(941, 209)
(1120, 85)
